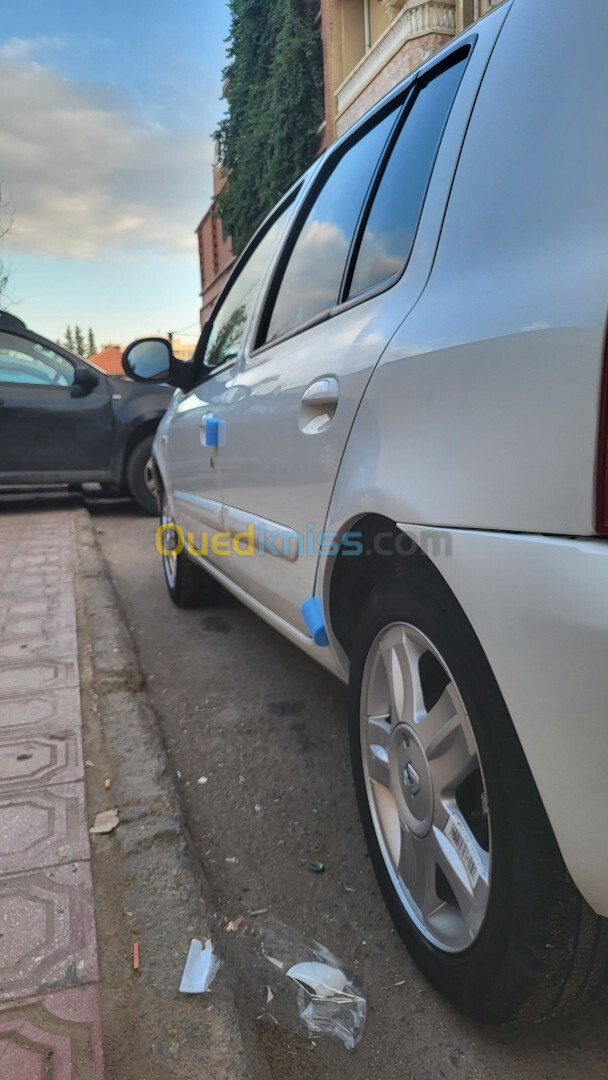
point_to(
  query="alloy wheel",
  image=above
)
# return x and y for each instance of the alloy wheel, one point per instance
(425, 787)
(169, 542)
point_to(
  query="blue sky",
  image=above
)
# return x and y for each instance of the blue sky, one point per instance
(106, 111)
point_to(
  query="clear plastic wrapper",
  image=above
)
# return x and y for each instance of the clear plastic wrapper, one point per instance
(297, 984)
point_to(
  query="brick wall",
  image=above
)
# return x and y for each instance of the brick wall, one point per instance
(214, 249)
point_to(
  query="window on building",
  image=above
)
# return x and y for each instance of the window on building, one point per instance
(311, 282)
(392, 220)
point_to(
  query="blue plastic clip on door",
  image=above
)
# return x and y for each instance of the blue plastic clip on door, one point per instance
(215, 432)
(312, 613)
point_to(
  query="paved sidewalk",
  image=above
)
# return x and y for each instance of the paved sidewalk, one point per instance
(50, 1025)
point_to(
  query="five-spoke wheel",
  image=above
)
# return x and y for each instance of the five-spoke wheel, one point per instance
(425, 787)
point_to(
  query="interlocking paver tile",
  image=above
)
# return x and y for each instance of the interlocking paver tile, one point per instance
(34, 625)
(31, 761)
(48, 646)
(37, 675)
(31, 563)
(33, 585)
(47, 931)
(50, 712)
(57, 603)
(60, 1035)
(43, 827)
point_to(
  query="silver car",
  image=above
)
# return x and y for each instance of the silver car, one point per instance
(392, 446)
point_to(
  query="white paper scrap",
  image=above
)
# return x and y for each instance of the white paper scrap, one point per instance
(200, 969)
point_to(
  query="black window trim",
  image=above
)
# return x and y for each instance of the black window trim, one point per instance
(463, 52)
(408, 92)
(331, 162)
(201, 373)
(34, 339)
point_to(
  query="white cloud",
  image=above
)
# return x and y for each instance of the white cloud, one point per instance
(85, 174)
(18, 51)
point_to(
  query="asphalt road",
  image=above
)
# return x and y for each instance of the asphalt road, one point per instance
(266, 726)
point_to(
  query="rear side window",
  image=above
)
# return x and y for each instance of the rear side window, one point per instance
(393, 218)
(311, 282)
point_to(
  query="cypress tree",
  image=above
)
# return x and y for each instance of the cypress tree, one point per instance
(91, 346)
(69, 339)
(79, 341)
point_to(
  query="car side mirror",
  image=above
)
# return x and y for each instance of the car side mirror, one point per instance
(85, 380)
(152, 360)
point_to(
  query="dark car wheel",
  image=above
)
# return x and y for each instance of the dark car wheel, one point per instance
(140, 477)
(189, 586)
(460, 842)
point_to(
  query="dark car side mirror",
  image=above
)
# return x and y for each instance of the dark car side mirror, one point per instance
(152, 360)
(85, 380)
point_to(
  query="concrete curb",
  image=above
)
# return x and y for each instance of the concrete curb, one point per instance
(149, 885)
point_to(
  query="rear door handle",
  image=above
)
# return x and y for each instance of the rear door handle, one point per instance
(322, 392)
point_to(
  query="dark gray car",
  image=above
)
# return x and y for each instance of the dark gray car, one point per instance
(63, 420)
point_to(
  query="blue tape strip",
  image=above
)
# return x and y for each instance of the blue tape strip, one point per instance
(215, 432)
(312, 613)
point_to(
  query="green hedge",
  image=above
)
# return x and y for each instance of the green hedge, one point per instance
(275, 106)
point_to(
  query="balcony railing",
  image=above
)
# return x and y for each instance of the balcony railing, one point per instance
(415, 20)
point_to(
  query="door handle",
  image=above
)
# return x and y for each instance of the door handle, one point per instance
(322, 392)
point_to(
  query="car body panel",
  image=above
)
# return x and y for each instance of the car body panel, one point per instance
(45, 430)
(281, 457)
(190, 469)
(538, 606)
(483, 415)
(138, 409)
(48, 436)
(512, 324)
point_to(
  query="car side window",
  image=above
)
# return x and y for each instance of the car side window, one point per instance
(313, 276)
(393, 218)
(231, 318)
(29, 363)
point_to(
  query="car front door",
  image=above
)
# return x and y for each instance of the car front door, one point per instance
(340, 296)
(192, 452)
(49, 428)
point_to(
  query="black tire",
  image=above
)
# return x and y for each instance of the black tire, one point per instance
(541, 949)
(188, 585)
(135, 476)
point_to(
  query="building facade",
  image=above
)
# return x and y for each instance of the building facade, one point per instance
(370, 45)
(182, 350)
(214, 249)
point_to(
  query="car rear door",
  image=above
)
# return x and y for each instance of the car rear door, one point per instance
(350, 273)
(48, 428)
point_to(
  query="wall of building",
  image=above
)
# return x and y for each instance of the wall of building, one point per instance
(182, 350)
(214, 249)
(406, 59)
(369, 46)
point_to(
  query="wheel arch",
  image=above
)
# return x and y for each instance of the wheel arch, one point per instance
(353, 574)
(142, 431)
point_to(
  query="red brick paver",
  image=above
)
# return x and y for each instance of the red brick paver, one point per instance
(50, 1026)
